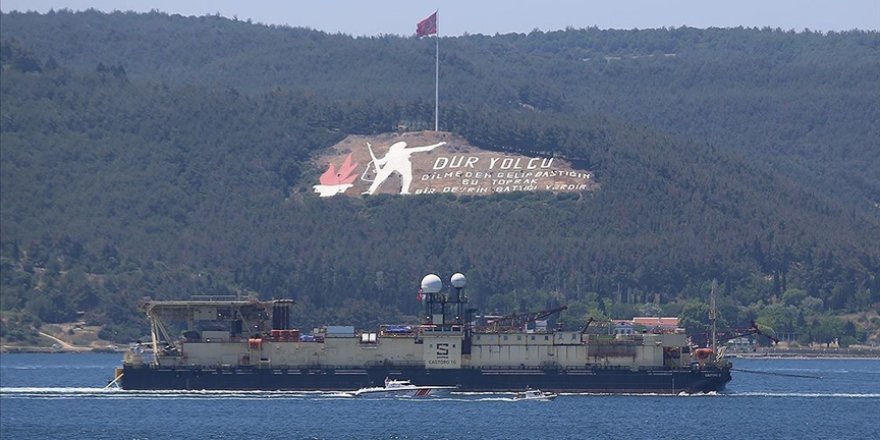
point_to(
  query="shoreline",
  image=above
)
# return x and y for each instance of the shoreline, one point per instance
(6, 349)
(803, 356)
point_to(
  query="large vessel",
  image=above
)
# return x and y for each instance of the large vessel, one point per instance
(235, 344)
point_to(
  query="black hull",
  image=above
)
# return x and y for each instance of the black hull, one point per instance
(474, 380)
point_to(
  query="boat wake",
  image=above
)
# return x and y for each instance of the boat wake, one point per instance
(102, 393)
(808, 395)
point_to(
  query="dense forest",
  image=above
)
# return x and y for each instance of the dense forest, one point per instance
(164, 156)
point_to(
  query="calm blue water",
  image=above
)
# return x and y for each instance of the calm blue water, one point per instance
(45, 396)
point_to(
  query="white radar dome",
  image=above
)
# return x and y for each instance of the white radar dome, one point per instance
(458, 280)
(431, 284)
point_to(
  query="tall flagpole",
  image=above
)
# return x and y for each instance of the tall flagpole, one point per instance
(437, 77)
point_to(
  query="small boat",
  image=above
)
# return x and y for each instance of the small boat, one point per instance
(530, 394)
(402, 388)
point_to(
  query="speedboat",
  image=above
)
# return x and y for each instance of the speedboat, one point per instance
(534, 395)
(402, 388)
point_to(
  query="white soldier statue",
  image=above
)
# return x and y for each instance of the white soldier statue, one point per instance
(397, 159)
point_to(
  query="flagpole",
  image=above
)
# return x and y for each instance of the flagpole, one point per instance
(437, 77)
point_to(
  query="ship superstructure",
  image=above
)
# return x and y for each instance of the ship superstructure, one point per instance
(223, 343)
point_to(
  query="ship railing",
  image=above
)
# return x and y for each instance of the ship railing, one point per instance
(392, 365)
(489, 330)
(456, 328)
(615, 339)
(397, 335)
(367, 365)
(289, 337)
(216, 297)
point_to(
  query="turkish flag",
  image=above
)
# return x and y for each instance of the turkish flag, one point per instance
(427, 26)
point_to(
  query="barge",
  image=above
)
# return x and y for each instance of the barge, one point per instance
(247, 344)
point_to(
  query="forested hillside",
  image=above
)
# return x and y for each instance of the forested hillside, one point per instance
(803, 104)
(163, 156)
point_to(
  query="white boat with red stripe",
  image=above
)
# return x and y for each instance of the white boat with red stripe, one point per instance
(402, 388)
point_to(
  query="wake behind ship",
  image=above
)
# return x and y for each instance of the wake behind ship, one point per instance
(251, 345)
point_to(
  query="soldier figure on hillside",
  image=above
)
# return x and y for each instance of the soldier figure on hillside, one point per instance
(397, 159)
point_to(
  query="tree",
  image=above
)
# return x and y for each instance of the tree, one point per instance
(829, 330)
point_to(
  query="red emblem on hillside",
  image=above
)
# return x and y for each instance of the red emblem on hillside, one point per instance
(336, 182)
(343, 177)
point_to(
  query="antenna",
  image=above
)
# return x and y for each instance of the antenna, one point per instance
(431, 286)
(458, 281)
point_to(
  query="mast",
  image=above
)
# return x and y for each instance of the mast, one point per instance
(437, 75)
(713, 312)
(431, 286)
(426, 27)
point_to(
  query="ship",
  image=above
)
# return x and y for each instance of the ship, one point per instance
(220, 343)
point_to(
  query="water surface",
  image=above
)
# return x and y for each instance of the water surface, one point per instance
(62, 396)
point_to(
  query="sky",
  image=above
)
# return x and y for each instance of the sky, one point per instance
(458, 17)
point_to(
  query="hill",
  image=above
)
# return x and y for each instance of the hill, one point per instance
(126, 176)
(802, 105)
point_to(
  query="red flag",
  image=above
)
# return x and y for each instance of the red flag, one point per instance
(427, 26)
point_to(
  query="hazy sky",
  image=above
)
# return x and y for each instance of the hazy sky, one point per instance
(363, 17)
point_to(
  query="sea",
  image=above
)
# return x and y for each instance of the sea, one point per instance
(62, 396)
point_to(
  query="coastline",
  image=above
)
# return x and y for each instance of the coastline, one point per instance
(6, 349)
(807, 354)
(56, 340)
